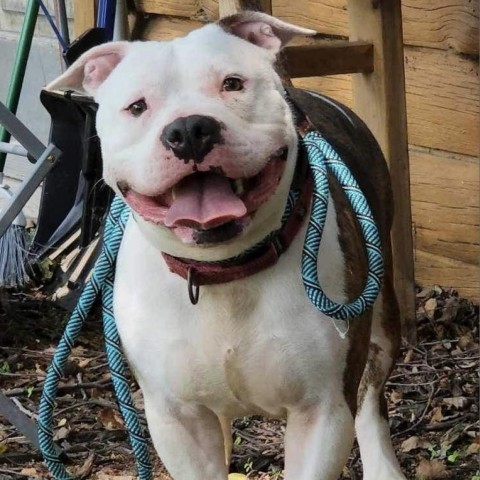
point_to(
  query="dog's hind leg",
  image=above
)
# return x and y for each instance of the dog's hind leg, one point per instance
(373, 433)
(188, 439)
(319, 438)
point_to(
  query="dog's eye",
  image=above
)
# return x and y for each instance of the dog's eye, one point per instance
(232, 84)
(137, 108)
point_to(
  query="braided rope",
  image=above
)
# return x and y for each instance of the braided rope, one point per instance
(321, 156)
(101, 280)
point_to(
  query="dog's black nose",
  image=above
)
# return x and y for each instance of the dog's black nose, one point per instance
(191, 138)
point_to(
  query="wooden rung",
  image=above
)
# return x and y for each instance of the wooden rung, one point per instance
(328, 57)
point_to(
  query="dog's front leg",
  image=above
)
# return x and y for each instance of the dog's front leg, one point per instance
(318, 440)
(188, 439)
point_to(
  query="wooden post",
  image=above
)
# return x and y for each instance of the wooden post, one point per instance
(379, 99)
(84, 16)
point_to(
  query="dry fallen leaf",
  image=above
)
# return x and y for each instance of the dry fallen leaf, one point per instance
(30, 472)
(430, 470)
(409, 356)
(110, 419)
(413, 443)
(396, 396)
(61, 433)
(457, 402)
(465, 342)
(473, 449)
(437, 415)
(430, 307)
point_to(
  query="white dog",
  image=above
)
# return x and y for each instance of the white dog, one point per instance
(200, 139)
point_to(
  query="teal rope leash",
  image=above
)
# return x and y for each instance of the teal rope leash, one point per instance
(320, 157)
(101, 280)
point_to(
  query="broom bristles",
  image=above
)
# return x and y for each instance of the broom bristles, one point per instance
(13, 257)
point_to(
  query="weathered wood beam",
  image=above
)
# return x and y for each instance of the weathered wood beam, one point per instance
(379, 99)
(328, 57)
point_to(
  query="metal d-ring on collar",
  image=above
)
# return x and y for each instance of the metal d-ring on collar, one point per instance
(193, 287)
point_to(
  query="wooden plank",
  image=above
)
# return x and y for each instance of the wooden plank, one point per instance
(84, 16)
(160, 27)
(440, 24)
(210, 8)
(339, 87)
(442, 100)
(183, 8)
(379, 98)
(433, 269)
(445, 205)
(328, 57)
(230, 7)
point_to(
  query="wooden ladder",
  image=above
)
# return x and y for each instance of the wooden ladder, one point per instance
(375, 55)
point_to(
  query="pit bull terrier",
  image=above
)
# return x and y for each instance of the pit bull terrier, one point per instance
(199, 137)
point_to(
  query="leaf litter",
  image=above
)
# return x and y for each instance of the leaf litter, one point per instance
(432, 393)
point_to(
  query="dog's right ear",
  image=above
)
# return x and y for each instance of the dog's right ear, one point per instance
(87, 73)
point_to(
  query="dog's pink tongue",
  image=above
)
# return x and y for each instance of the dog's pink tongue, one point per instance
(204, 201)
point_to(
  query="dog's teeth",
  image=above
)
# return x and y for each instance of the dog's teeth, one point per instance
(238, 186)
(174, 192)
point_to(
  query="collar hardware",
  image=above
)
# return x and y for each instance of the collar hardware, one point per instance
(193, 287)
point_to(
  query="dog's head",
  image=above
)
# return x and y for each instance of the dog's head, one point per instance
(195, 133)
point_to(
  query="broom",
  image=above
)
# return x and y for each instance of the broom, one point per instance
(13, 247)
(13, 243)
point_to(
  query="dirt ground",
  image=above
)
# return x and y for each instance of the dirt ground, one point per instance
(433, 399)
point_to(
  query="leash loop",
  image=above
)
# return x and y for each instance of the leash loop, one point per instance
(321, 156)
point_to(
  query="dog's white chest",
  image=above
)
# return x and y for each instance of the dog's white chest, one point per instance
(254, 345)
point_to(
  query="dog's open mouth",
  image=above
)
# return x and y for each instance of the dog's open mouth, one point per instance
(209, 207)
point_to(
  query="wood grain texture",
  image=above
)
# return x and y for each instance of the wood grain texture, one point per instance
(182, 8)
(440, 24)
(160, 27)
(379, 99)
(231, 7)
(445, 191)
(443, 106)
(442, 100)
(328, 58)
(84, 16)
(339, 87)
(433, 269)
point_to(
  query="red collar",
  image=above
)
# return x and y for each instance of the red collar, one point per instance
(208, 273)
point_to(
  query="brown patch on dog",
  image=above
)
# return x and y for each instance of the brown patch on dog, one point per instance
(351, 242)
(357, 147)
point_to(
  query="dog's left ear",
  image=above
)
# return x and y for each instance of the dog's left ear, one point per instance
(262, 30)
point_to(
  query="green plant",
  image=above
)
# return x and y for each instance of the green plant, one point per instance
(30, 389)
(453, 457)
(476, 476)
(5, 367)
(237, 441)
(434, 452)
(248, 466)
(275, 472)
